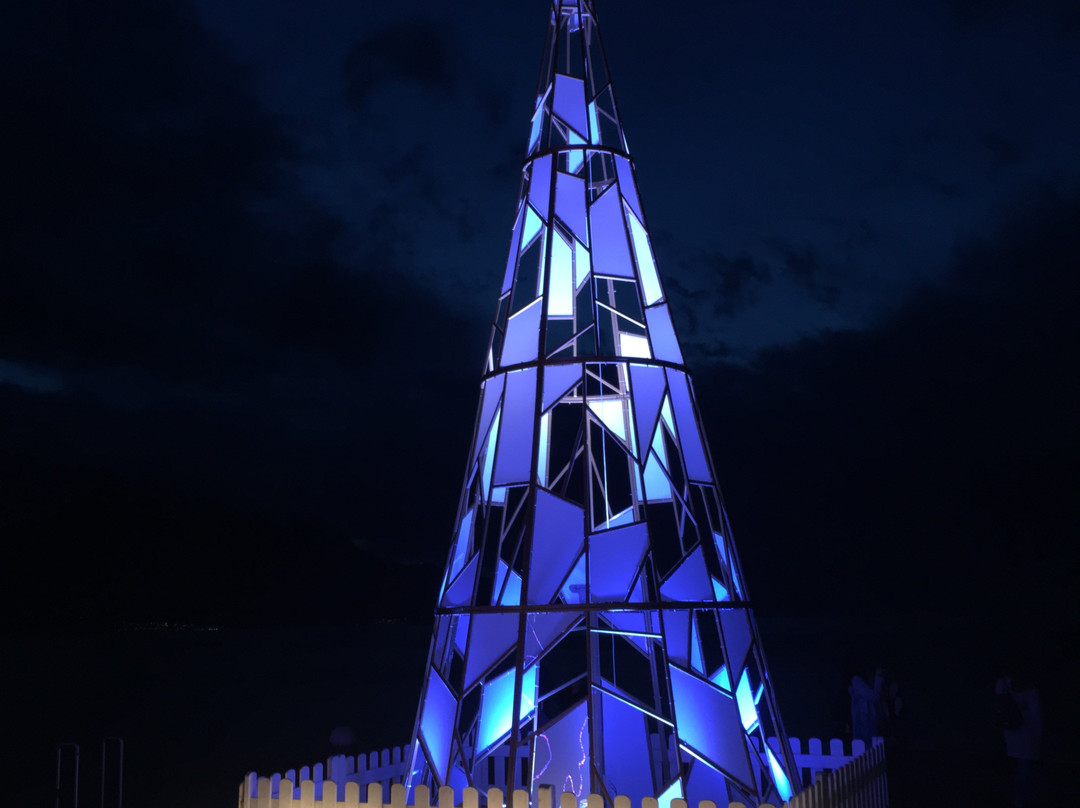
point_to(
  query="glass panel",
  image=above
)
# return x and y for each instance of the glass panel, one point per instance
(673, 792)
(561, 758)
(626, 184)
(570, 204)
(662, 334)
(576, 158)
(647, 387)
(689, 437)
(634, 345)
(461, 544)
(557, 541)
(627, 765)
(633, 623)
(543, 449)
(582, 265)
(657, 485)
(570, 102)
(514, 461)
(722, 678)
(491, 636)
(612, 412)
(511, 259)
(573, 591)
(745, 699)
(706, 783)
(533, 223)
(610, 250)
(540, 185)
(437, 722)
(543, 629)
(489, 456)
(783, 785)
(460, 592)
(561, 288)
(677, 635)
(650, 281)
(522, 335)
(736, 636)
(594, 125)
(558, 379)
(497, 706)
(690, 581)
(719, 590)
(461, 633)
(708, 721)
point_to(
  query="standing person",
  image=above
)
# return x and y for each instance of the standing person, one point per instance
(865, 699)
(1021, 717)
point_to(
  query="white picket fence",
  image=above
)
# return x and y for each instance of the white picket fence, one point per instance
(832, 779)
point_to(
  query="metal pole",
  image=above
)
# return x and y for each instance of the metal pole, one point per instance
(74, 802)
(118, 745)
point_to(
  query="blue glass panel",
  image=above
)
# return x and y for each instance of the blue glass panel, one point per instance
(708, 721)
(695, 649)
(594, 124)
(489, 457)
(783, 785)
(626, 184)
(650, 281)
(706, 783)
(461, 633)
(511, 260)
(570, 204)
(719, 591)
(558, 379)
(461, 544)
(491, 636)
(576, 158)
(582, 264)
(533, 224)
(437, 722)
(736, 630)
(543, 629)
(561, 285)
(722, 678)
(573, 591)
(561, 757)
(662, 334)
(677, 634)
(497, 706)
(745, 699)
(721, 548)
(513, 463)
(537, 123)
(522, 335)
(690, 581)
(647, 387)
(689, 437)
(460, 592)
(490, 393)
(672, 792)
(610, 250)
(543, 449)
(657, 486)
(633, 623)
(570, 102)
(614, 557)
(512, 595)
(627, 764)
(558, 539)
(540, 185)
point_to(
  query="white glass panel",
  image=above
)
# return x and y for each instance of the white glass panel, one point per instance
(650, 281)
(570, 102)
(522, 335)
(542, 460)
(561, 290)
(610, 251)
(594, 124)
(612, 412)
(634, 345)
(570, 204)
(540, 185)
(662, 334)
(514, 461)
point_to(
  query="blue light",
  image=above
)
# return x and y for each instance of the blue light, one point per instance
(497, 705)
(783, 785)
(745, 700)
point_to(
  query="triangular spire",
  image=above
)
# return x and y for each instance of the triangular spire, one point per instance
(593, 631)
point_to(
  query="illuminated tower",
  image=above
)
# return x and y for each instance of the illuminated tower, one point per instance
(593, 631)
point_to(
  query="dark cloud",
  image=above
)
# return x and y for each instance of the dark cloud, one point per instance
(925, 463)
(1004, 151)
(416, 52)
(804, 265)
(734, 280)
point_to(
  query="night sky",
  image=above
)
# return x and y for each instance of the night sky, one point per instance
(249, 256)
